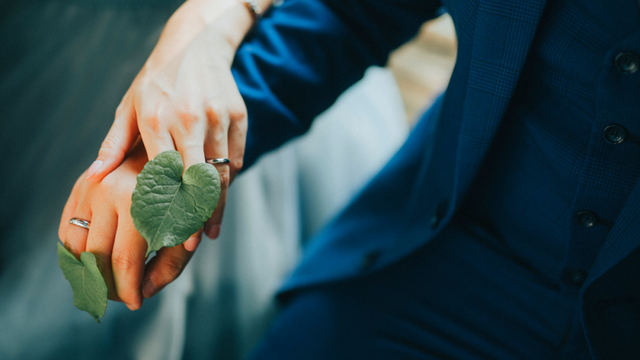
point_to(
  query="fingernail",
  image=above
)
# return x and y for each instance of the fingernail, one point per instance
(212, 231)
(93, 169)
(131, 307)
(192, 244)
(148, 289)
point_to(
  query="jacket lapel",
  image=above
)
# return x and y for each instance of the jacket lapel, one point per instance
(623, 238)
(503, 34)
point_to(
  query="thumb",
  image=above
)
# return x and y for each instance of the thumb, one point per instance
(121, 137)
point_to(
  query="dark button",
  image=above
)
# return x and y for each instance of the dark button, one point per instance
(586, 218)
(369, 259)
(627, 62)
(438, 214)
(615, 134)
(574, 276)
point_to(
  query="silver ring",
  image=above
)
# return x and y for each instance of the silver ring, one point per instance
(217, 161)
(80, 222)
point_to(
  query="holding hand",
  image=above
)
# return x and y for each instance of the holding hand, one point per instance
(111, 237)
(185, 97)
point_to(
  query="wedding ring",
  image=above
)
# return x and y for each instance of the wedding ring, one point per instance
(217, 161)
(80, 222)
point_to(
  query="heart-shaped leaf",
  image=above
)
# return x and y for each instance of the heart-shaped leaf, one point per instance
(89, 289)
(167, 207)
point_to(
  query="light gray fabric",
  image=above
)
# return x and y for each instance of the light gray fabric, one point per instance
(64, 68)
(277, 206)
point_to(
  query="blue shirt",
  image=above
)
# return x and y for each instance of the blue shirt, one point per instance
(566, 158)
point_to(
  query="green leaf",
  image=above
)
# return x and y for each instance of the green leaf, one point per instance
(89, 289)
(166, 207)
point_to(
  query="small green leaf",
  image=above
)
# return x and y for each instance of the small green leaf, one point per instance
(166, 207)
(89, 289)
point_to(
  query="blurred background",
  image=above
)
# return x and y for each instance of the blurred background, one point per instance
(64, 68)
(422, 67)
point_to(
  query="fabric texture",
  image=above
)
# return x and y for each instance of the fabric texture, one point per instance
(552, 159)
(459, 297)
(416, 195)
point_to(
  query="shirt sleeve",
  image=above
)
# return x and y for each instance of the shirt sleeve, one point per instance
(305, 53)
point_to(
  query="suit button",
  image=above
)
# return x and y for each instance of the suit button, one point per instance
(615, 134)
(574, 276)
(369, 260)
(627, 62)
(586, 218)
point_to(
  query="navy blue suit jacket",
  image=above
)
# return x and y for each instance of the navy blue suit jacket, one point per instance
(304, 54)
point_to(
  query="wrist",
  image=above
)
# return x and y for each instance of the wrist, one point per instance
(196, 16)
(240, 18)
(254, 9)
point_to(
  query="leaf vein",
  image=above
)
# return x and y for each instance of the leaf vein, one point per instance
(167, 213)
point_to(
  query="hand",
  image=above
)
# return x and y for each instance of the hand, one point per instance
(112, 238)
(185, 98)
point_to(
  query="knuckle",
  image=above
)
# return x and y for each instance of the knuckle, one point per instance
(237, 163)
(151, 120)
(123, 263)
(242, 125)
(110, 185)
(216, 114)
(173, 267)
(110, 145)
(115, 190)
(189, 119)
(237, 112)
(224, 178)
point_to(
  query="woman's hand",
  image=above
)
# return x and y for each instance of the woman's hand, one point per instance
(185, 97)
(112, 238)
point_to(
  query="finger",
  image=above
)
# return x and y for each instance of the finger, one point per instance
(191, 149)
(69, 209)
(192, 243)
(216, 146)
(100, 243)
(75, 238)
(162, 269)
(119, 140)
(192, 152)
(237, 134)
(155, 135)
(213, 225)
(127, 261)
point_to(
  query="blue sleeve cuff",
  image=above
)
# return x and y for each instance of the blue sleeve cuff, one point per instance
(304, 54)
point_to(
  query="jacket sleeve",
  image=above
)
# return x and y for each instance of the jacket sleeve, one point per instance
(305, 53)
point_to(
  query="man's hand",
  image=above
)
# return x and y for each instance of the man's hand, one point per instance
(112, 238)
